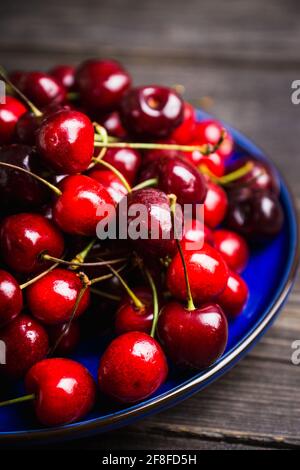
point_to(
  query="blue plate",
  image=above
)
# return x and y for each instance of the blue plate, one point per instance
(269, 275)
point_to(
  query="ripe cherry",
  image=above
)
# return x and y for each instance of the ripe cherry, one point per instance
(24, 237)
(102, 83)
(233, 247)
(65, 141)
(130, 318)
(212, 162)
(11, 299)
(10, 113)
(64, 391)
(132, 368)
(215, 205)
(52, 298)
(158, 154)
(151, 111)
(111, 183)
(77, 210)
(193, 339)
(210, 131)
(113, 124)
(66, 336)
(126, 160)
(207, 271)
(195, 232)
(42, 89)
(27, 127)
(26, 343)
(64, 74)
(234, 298)
(184, 133)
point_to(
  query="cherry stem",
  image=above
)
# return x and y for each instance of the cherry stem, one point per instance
(106, 295)
(106, 276)
(115, 171)
(42, 180)
(37, 278)
(146, 184)
(102, 133)
(190, 302)
(73, 96)
(15, 401)
(80, 257)
(29, 103)
(230, 177)
(155, 301)
(47, 257)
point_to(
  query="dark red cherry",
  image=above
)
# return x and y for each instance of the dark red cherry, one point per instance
(234, 298)
(65, 336)
(184, 133)
(111, 183)
(27, 127)
(10, 113)
(64, 391)
(64, 74)
(20, 191)
(151, 111)
(26, 343)
(213, 162)
(193, 339)
(78, 210)
(113, 124)
(42, 89)
(215, 205)
(207, 271)
(52, 298)
(233, 247)
(129, 318)
(157, 154)
(127, 161)
(210, 132)
(24, 237)
(102, 83)
(65, 140)
(195, 234)
(132, 368)
(16, 76)
(11, 299)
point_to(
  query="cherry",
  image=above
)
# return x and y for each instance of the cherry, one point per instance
(130, 318)
(207, 271)
(113, 125)
(111, 183)
(212, 162)
(193, 339)
(52, 298)
(126, 160)
(132, 368)
(24, 237)
(42, 89)
(11, 299)
(65, 141)
(27, 127)
(102, 83)
(64, 74)
(184, 133)
(16, 76)
(210, 131)
(151, 111)
(66, 336)
(10, 113)
(157, 154)
(195, 232)
(64, 391)
(215, 205)
(77, 210)
(233, 247)
(234, 298)
(26, 343)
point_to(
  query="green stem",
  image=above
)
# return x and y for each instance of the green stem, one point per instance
(230, 177)
(155, 301)
(37, 278)
(80, 257)
(146, 184)
(115, 171)
(15, 401)
(106, 295)
(106, 276)
(47, 257)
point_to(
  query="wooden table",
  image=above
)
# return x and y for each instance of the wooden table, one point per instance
(244, 54)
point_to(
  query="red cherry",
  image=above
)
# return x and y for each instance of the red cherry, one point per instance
(24, 237)
(65, 141)
(64, 74)
(102, 83)
(16, 76)
(52, 298)
(111, 183)
(195, 231)
(234, 298)
(69, 341)
(10, 113)
(132, 368)
(184, 133)
(27, 127)
(64, 391)
(193, 339)
(215, 205)
(26, 343)
(213, 162)
(77, 210)
(127, 161)
(42, 89)
(233, 247)
(113, 124)
(210, 132)
(11, 299)
(207, 271)
(130, 318)
(158, 154)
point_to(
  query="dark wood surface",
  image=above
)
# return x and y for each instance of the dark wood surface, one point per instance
(244, 54)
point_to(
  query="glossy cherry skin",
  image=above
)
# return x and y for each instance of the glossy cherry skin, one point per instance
(68, 342)
(77, 210)
(52, 298)
(27, 127)
(215, 205)
(195, 234)
(127, 161)
(184, 133)
(102, 83)
(213, 162)
(11, 299)
(113, 124)
(42, 89)
(129, 318)
(65, 141)
(207, 271)
(24, 237)
(111, 183)
(132, 368)
(64, 74)
(234, 249)
(26, 343)
(19, 191)
(209, 132)
(234, 298)
(10, 113)
(64, 391)
(193, 339)
(151, 111)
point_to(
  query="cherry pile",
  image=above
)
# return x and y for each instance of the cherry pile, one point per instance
(72, 141)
